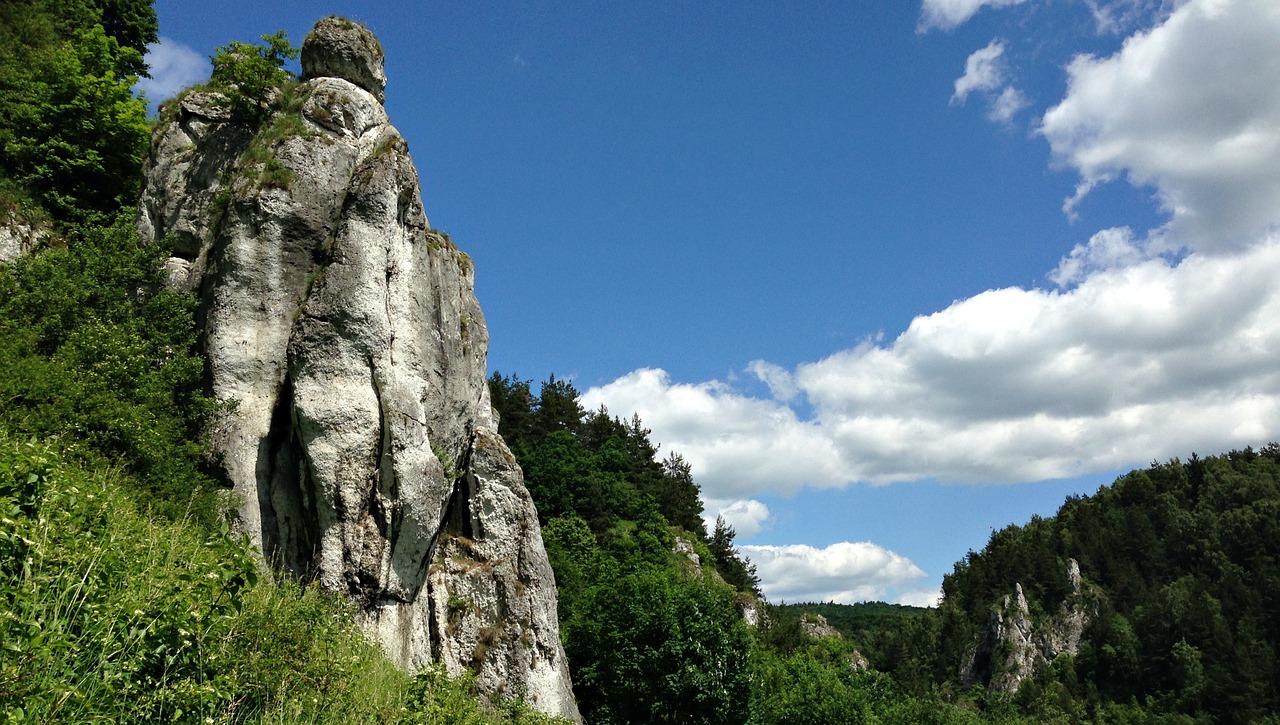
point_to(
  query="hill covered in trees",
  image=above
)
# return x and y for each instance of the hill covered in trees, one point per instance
(1181, 562)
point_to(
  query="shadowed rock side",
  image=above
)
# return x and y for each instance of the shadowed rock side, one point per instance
(362, 447)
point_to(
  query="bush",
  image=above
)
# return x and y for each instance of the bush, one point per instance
(94, 348)
(252, 72)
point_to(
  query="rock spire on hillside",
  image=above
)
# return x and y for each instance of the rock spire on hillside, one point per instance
(362, 449)
(1010, 648)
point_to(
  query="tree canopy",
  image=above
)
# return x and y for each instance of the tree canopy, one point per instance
(72, 134)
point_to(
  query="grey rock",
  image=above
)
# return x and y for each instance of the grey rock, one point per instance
(816, 626)
(751, 610)
(19, 236)
(361, 448)
(685, 547)
(341, 48)
(1011, 647)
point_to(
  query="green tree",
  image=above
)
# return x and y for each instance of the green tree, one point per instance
(657, 646)
(252, 73)
(93, 346)
(72, 135)
(736, 570)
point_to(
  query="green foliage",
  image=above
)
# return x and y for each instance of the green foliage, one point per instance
(110, 615)
(92, 347)
(737, 571)
(653, 644)
(1184, 562)
(72, 135)
(590, 464)
(252, 73)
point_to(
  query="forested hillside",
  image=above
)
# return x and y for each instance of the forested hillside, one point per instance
(653, 606)
(1182, 563)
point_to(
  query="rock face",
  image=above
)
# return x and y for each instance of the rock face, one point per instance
(339, 48)
(815, 625)
(361, 448)
(18, 236)
(1011, 647)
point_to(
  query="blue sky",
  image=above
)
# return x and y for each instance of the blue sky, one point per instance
(891, 275)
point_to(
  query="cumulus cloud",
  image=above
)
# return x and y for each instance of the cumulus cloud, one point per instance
(984, 70)
(1136, 355)
(949, 14)
(1191, 108)
(1108, 249)
(1152, 359)
(173, 66)
(736, 444)
(746, 516)
(845, 572)
(1007, 105)
(779, 380)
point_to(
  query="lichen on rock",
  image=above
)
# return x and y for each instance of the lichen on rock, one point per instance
(362, 451)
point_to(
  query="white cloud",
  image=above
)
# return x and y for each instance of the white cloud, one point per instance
(737, 445)
(1007, 105)
(1135, 357)
(1190, 107)
(1146, 361)
(781, 384)
(1117, 16)
(746, 516)
(948, 14)
(1108, 249)
(844, 572)
(920, 597)
(173, 66)
(984, 70)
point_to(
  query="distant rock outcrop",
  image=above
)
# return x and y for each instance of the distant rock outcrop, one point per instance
(361, 447)
(1010, 648)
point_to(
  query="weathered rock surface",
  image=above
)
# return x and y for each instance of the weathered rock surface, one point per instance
(18, 236)
(362, 448)
(1011, 647)
(816, 626)
(339, 48)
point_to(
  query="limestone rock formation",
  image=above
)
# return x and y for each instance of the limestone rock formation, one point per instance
(19, 236)
(1011, 647)
(339, 48)
(816, 626)
(361, 447)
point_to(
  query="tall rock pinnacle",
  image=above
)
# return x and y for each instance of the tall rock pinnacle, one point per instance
(361, 445)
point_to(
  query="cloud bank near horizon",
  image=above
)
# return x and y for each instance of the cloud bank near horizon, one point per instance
(844, 572)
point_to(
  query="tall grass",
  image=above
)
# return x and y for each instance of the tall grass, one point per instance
(108, 614)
